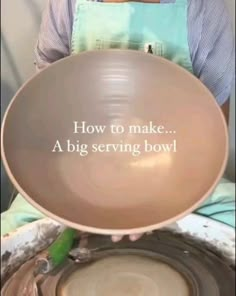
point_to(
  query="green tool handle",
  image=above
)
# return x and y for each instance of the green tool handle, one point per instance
(60, 249)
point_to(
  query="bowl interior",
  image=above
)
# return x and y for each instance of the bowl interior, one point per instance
(62, 154)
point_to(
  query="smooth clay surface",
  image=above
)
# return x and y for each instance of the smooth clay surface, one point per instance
(126, 276)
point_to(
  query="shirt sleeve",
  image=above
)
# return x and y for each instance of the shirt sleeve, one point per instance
(54, 40)
(213, 53)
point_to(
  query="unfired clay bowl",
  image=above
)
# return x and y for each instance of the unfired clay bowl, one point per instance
(111, 192)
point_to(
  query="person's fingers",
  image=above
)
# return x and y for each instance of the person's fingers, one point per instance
(116, 238)
(134, 237)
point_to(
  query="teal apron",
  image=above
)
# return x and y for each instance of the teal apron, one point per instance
(132, 25)
(138, 26)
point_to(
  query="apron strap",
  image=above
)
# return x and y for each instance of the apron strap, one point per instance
(181, 1)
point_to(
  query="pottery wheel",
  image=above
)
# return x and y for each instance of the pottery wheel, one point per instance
(161, 264)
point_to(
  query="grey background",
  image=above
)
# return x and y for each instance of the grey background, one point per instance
(20, 25)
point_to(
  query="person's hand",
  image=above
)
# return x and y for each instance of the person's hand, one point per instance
(132, 237)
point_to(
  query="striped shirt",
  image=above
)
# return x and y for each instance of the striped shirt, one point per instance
(210, 38)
